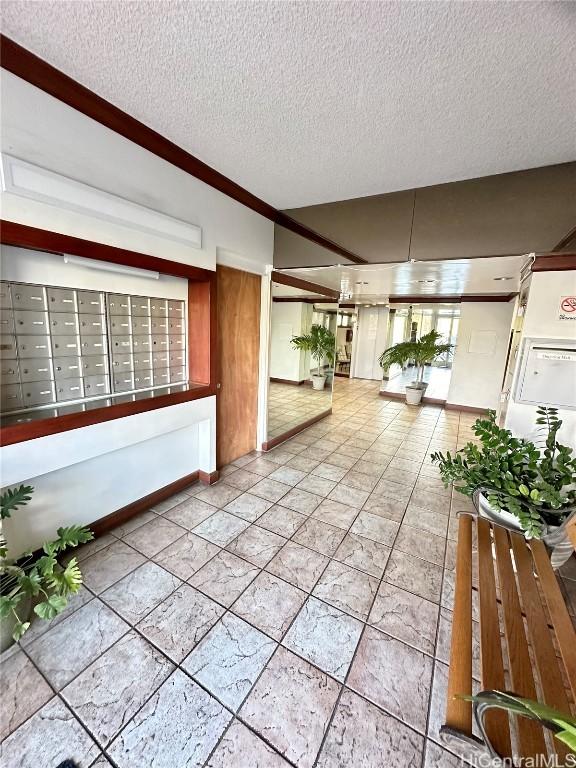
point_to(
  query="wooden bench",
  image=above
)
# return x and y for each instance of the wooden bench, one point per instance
(527, 640)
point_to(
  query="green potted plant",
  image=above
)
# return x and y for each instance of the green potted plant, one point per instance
(321, 343)
(34, 577)
(516, 483)
(423, 351)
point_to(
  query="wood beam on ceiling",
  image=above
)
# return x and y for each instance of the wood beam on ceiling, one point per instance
(295, 282)
(26, 65)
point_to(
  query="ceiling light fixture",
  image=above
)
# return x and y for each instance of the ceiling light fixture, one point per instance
(503, 278)
(430, 282)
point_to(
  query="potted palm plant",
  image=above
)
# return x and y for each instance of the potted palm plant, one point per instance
(423, 351)
(517, 483)
(320, 343)
(34, 577)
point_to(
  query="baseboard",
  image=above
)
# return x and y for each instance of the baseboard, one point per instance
(267, 446)
(401, 396)
(105, 524)
(287, 381)
(208, 478)
(465, 408)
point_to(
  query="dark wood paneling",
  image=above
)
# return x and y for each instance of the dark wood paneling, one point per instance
(208, 478)
(305, 285)
(202, 359)
(19, 433)
(287, 381)
(301, 299)
(463, 299)
(568, 242)
(273, 442)
(561, 262)
(238, 314)
(34, 70)
(105, 524)
(24, 236)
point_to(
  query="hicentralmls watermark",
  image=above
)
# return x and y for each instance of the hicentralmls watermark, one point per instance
(537, 761)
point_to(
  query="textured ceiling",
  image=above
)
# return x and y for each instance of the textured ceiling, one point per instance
(310, 102)
(371, 282)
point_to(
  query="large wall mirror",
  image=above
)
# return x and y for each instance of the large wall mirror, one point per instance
(303, 330)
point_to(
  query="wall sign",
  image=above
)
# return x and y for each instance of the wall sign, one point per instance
(567, 308)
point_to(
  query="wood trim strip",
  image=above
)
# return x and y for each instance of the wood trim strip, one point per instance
(105, 524)
(489, 298)
(20, 433)
(459, 712)
(531, 739)
(26, 65)
(465, 408)
(23, 236)
(302, 299)
(537, 624)
(565, 633)
(496, 721)
(269, 444)
(287, 381)
(400, 396)
(567, 241)
(295, 282)
(557, 262)
(208, 478)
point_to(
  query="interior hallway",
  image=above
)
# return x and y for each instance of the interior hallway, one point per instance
(295, 613)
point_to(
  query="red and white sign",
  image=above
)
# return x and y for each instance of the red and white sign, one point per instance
(567, 308)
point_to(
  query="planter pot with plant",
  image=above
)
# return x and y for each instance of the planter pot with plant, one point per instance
(518, 484)
(321, 344)
(38, 579)
(423, 352)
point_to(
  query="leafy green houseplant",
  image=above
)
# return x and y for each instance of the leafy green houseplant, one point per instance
(533, 485)
(40, 578)
(320, 343)
(423, 351)
(563, 726)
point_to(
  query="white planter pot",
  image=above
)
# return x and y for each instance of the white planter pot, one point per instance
(318, 382)
(414, 395)
(506, 519)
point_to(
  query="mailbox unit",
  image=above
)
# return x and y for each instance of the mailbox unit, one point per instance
(60, 345)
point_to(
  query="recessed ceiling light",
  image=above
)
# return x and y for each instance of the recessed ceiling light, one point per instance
(426, 281)
(503, 278)
(359, 282)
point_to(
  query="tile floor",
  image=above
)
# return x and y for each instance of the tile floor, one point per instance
(290, 405)
(297, 613)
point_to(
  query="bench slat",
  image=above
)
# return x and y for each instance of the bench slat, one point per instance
(496, 721)
(530, 734)
(549, 672)
(458, 712)
(561, 622)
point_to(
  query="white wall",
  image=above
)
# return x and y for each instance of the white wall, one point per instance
(288, 319)
(369, 342)
(44, 131)
(180, 439)
(85, 474)
(541, 320)
(480, 354)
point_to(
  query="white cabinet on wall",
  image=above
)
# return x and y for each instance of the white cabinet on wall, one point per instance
(370, 342)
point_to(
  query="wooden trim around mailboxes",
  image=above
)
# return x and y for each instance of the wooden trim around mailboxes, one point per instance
(201, 329)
